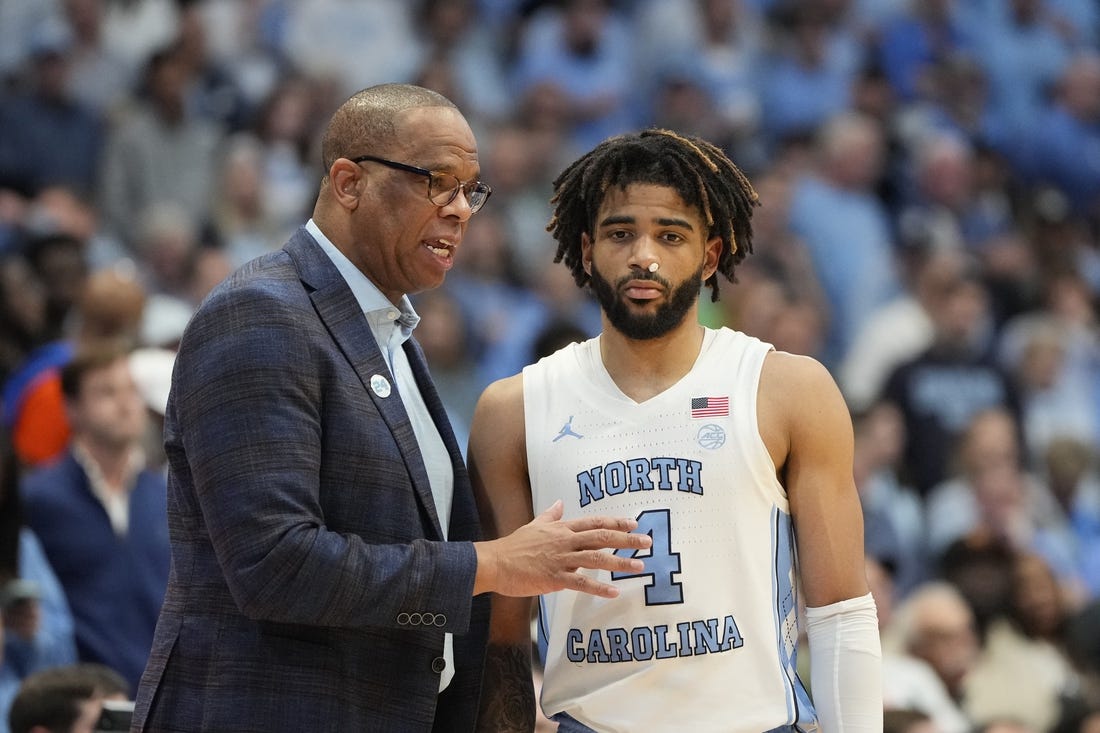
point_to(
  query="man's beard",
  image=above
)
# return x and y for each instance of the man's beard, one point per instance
(668, 316)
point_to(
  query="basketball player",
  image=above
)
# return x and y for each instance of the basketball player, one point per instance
(735, 458)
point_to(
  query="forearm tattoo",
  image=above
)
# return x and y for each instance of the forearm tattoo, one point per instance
(508, 694)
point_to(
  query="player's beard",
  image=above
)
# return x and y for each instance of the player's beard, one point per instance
(642, 326)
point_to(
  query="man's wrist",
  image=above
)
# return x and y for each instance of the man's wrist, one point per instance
(485, 578)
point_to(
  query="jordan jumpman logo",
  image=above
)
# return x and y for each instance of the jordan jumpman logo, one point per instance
(567, 429)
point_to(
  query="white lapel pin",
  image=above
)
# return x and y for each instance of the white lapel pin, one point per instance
(380, 385)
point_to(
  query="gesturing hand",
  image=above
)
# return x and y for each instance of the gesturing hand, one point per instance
(544, 555)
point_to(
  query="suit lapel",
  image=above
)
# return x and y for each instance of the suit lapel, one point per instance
(340, 313)
(461, 512)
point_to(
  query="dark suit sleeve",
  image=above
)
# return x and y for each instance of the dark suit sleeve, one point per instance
(295, 477)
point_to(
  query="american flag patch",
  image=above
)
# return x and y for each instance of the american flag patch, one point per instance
(710, 406)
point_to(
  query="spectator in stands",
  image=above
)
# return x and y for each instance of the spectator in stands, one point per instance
(954, 99)
(111, 305)
(902, 328)
(1056, 394)
(1070, 122)
(941, 389)
(520, 159)
(993, 497)
(158, 152)
(942, 207)
(710, 48)
(364, 43)
(33, 122)
(450, 38)
(1023, 53)
(102, 516)
(836, 212)
(242, 224)
(890, 508)
(22, 318)
(1025, 673)
(808, 71)
(936, 625)
(152, 371)
(1070, 469)
(911, 44)
(99, 76)
(980, 567)
(60, 264)
(69, 699)
(908, 682)
(284, 127)
(212, 92)
(579, 49)
(38, 626)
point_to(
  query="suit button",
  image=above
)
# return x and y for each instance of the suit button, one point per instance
(416, 619)
(440, 619)
(428, 619)
(403, 619)
(438, 665)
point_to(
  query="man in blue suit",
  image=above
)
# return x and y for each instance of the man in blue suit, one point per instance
(326, 569)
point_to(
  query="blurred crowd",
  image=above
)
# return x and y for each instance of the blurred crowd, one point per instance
(929, 174)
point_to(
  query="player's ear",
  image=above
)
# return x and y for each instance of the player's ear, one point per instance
(586, 253)
(712, 251)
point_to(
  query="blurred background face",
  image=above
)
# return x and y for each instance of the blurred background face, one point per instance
(167, 84)
(947, 174)
(947, 640)
(999, 491)
(885, 430)
(990, 443)
(1037, 597)
(63, 270)
(1081, 89)
(22, 298)
(960, 315)
(109, 409)
(854, 152)
(584, 21)
(288, 114)
(85, 17)
(52, 74)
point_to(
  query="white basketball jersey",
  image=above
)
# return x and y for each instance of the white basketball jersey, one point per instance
(703, 639)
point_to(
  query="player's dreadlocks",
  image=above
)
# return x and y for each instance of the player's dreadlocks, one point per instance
(697, 170)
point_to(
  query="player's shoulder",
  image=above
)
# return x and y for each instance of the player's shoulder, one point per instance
(498, 420)
(793, 378)
(799, 369)
(502, 399)
(504, 389)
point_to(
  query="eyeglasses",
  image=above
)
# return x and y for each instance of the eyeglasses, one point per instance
(442, 187)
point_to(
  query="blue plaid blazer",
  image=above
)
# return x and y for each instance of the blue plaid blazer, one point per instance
(309, 588)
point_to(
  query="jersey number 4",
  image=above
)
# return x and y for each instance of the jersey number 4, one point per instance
(661, 564)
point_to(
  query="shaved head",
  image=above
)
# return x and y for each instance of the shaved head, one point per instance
(365, 122)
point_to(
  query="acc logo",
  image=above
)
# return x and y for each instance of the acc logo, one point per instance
(711, 436)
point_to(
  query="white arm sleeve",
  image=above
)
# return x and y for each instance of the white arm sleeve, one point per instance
(846, 665)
